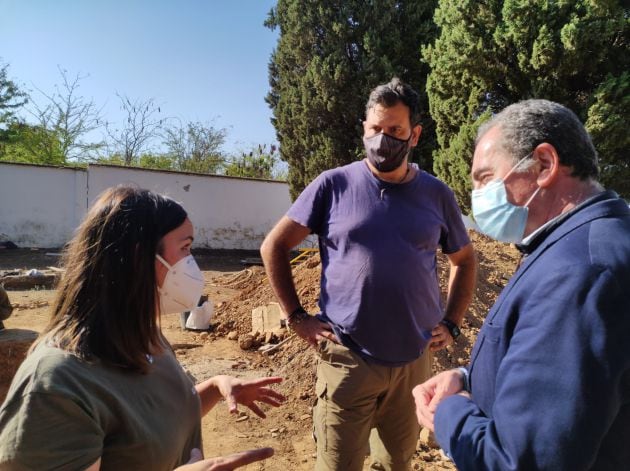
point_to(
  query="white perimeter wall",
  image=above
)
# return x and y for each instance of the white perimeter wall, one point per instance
(228, 213)
(41, 206)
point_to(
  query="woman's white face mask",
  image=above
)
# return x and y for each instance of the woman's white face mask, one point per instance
(182, 287)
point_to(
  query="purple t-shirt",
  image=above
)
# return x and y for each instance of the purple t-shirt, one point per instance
(378, 242)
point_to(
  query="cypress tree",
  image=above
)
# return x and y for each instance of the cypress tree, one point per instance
(608, 122)
(329, 56)
(493, 53)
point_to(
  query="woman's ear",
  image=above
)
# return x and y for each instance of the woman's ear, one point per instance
(548, 164)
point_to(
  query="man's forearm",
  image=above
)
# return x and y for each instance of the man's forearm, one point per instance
(461, 287)
(275, 251)
(280, 277)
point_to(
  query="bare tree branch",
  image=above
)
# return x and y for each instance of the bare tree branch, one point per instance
(140, 126)
(69, 116)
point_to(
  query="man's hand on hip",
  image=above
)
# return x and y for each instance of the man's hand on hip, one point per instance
(313, 330)
(440, 338)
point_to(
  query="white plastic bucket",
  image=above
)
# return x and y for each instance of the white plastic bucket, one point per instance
(199, 318)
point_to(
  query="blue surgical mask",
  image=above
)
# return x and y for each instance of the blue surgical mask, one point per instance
(495, 215)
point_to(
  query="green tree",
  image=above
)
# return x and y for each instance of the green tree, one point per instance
(608, 122)
(21, 142)
(146, 160)
(11, 98)
(113, 158)
(493, 53)
(257, 163)
(196, 147)
(329, 56)
(157, 161)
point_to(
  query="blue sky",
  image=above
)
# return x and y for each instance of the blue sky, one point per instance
(200, 60)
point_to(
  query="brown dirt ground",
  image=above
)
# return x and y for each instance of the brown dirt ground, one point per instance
(235, 292)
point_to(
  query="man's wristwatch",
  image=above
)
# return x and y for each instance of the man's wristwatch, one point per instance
(298, 315)
(452, 328)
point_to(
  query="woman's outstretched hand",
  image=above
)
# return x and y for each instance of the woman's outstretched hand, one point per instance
(247, 392)
(224, 463)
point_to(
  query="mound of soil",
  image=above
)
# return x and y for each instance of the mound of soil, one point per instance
(14, 344)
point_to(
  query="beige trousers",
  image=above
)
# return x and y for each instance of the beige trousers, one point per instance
(360, 402)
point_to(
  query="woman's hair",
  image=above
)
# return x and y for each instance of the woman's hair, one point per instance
(106, 300)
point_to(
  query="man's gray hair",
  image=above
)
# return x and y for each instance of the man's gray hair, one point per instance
(526, 124)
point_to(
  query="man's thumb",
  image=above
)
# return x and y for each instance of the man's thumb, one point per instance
(195, 455)
(435, 400)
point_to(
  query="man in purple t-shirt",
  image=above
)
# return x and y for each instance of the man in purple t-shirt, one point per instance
(380, 222)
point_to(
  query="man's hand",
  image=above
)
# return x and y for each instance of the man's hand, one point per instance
(224, 463)
(239, 391)
(440, 338)
(430, 393)
(313, 330)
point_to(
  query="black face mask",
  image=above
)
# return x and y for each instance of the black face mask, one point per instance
(386, 152)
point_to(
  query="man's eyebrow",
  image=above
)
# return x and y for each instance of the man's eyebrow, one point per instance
(189, 237)
(479, 171)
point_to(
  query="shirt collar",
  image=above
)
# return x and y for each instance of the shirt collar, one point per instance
(532, 241)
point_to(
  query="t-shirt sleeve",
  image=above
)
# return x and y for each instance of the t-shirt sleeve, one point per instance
(42, 431)
(454, 235)
(310, 207)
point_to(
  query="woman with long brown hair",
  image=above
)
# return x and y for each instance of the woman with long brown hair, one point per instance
(101, 388)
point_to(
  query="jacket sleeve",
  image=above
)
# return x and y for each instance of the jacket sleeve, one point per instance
(558, 385)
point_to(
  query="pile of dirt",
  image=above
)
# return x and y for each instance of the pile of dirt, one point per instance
(296, 362)
(14, 344)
